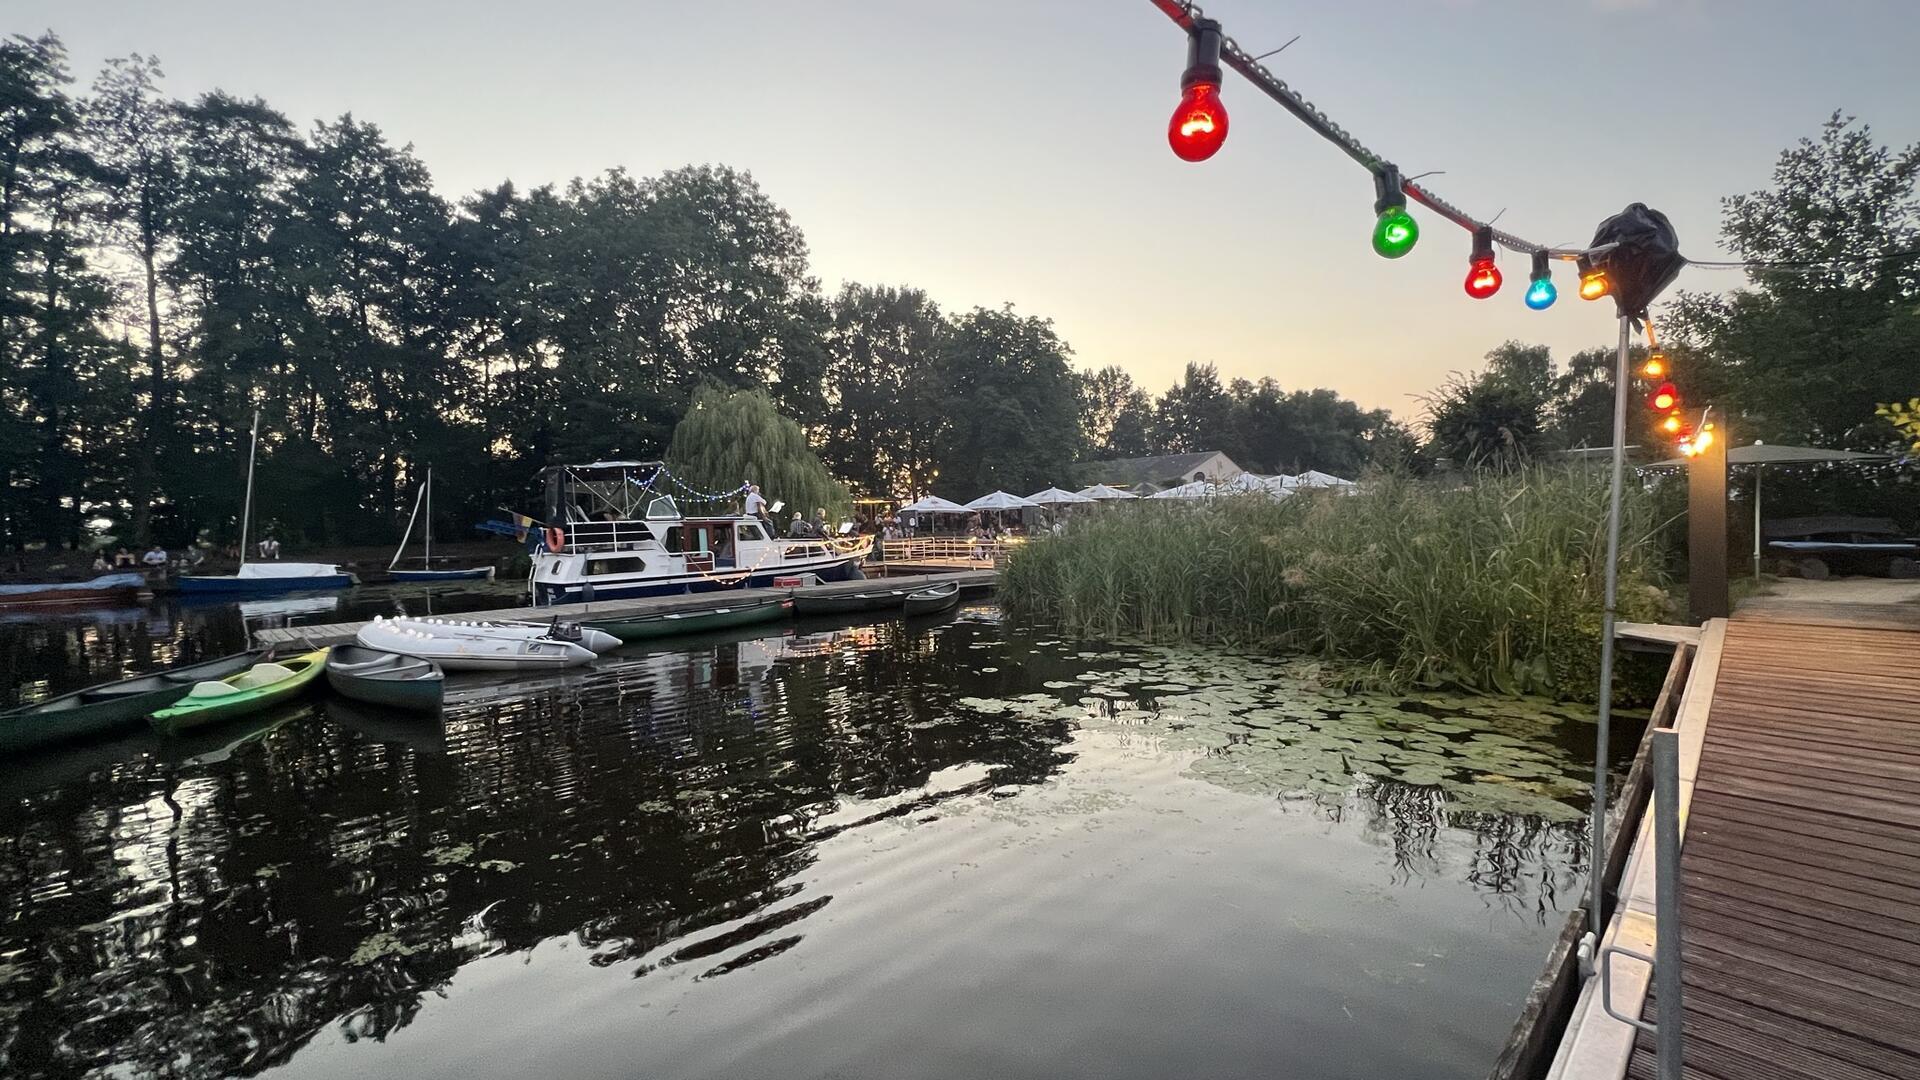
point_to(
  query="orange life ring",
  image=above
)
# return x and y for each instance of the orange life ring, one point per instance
(556, 539)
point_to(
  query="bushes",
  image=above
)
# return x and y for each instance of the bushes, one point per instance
(1494, 585)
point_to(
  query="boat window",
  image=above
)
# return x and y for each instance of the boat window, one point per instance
(673, 539)
(616, 566)
(749, 532)
(662, 507)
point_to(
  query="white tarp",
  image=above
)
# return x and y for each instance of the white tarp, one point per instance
(1053, 496)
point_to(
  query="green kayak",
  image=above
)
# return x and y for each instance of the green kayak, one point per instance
(672, 623)
(239, 695)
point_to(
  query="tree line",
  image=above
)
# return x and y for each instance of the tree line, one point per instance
(169, 267)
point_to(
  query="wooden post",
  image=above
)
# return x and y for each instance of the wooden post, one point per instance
(1707, 531)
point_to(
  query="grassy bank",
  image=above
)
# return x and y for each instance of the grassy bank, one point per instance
(1494, 583)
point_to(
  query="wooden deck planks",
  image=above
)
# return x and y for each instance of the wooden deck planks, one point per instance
(1801, 864)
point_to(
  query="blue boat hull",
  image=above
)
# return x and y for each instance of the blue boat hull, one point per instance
(483, 573)
(847, 570)
(257, 586)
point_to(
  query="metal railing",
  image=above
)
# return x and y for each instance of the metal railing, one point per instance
(607, 535)
(943, 550)
(1669, 1052)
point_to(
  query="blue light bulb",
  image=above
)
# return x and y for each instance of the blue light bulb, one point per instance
(1541, 294)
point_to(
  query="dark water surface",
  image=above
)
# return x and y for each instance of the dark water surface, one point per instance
(947, 849)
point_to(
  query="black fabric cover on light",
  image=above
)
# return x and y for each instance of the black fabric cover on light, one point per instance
(1646, 259)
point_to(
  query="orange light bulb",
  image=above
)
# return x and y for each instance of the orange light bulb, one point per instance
(1594, 285)
(1655, 367)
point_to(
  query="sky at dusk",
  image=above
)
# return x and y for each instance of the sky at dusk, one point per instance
(992, 152)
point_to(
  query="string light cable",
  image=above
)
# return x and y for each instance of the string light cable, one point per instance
(1186, 14)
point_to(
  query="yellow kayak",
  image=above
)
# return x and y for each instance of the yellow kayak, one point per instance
(252, 690)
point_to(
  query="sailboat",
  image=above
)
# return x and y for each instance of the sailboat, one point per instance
(472, 573)
(264, 577)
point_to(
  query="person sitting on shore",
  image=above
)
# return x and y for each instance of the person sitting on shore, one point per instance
(122, 557)
(100, 563)
(269, 548)
(155, 558)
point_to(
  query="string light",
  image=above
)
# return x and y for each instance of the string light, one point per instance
(1673, 424)
(1540, 291)
(1593, 279)
(1655, 367)
(1199, 123)
(1394, 230)
(1483, 277)
(1665, 398)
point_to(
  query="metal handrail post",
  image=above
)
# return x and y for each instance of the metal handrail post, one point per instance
(1666, 905)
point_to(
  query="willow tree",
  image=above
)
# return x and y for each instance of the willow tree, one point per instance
(732, 437)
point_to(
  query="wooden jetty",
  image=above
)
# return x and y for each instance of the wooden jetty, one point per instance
(343, 633)
(1800, 863)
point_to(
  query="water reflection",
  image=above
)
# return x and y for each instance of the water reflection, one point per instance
(681, 818)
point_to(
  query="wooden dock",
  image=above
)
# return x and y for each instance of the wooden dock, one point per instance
(1800, 863)
(343, 633)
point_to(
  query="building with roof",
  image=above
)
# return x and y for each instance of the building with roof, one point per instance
(1146, 475)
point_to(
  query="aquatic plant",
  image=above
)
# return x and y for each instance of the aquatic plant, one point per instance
(1492, 583)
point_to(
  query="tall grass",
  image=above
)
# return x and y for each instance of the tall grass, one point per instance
(1493, 583)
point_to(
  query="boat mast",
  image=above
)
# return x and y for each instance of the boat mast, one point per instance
(408, 535)
(246, 512)
(426, 562)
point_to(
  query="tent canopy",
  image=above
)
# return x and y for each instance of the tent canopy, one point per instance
(933, 504)
(1198, 489)
(999, 500)
(1100, 492)
(1314, 478)
(1053, 496)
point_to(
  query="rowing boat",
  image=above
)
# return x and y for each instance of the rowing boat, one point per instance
(673, 623)
(111, 706)
(260, 686)
(848, 603)
(385, 678)
(458, 652)
(933, 600)
(105, 589)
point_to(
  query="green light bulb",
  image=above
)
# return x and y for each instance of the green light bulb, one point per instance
(1395, 233)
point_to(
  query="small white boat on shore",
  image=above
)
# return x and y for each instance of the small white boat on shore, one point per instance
(598, 641)
(466, 652)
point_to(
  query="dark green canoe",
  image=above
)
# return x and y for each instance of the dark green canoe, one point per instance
(672, 623)
(110, 707)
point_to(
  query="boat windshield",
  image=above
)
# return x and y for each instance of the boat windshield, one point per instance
(662, 509)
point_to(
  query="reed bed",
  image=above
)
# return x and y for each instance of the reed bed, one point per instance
(1494, 583)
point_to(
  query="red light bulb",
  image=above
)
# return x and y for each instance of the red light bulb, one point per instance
(1483, 279)
(1199, 125)
(1664, 398)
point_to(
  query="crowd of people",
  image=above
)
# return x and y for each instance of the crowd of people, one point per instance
(158, 558)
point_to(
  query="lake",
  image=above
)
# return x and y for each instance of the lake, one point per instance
(953, 848)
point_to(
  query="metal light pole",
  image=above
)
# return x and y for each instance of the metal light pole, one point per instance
(1597, 857)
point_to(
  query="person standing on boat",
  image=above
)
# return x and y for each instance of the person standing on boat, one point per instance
(757, 507)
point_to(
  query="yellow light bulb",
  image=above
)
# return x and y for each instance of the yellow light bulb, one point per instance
(1655, 367)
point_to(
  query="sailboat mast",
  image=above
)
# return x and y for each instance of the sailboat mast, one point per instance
(246, 511)
(418, 497)
(427, 562)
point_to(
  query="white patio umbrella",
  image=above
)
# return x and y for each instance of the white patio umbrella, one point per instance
(1314, 478)
(1000, 500)
(1759, 455)
(1053, 496)
(1101, 492)
(1198, 489)
(933, 504)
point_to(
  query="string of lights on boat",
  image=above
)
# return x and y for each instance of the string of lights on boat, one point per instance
(1199, 127)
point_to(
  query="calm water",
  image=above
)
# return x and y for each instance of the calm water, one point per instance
(954, 849)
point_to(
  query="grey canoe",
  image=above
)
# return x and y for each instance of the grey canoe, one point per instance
(933, 600)
(384, 678)
(110, 707)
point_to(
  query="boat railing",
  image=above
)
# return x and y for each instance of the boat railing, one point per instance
(608, 535)
(943, 551)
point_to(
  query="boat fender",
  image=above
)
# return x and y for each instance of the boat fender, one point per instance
(556, 540)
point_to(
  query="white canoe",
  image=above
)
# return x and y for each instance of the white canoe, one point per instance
(597, 641)
(465, 652)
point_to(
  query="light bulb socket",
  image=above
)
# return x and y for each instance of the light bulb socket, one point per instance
(1388, 189)
(1482, 246)
(1540, 270)
(1203, 54)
